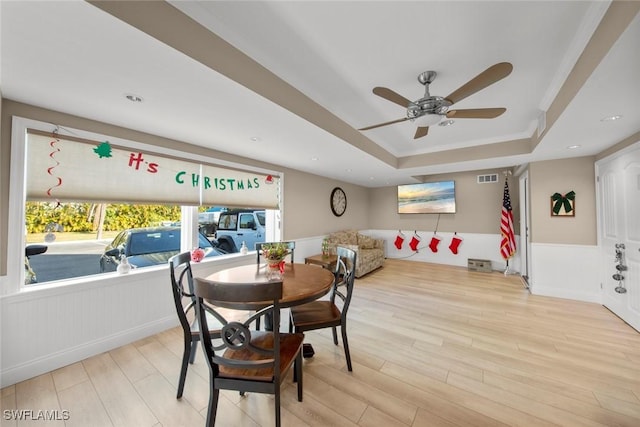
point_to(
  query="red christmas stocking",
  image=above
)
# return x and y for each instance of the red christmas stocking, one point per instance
(434, 244)
(399, 241)
(455, 243)
(415, 241)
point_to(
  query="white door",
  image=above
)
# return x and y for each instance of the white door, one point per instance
(619, 233)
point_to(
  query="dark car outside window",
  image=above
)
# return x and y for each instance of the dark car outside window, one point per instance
(146, 243)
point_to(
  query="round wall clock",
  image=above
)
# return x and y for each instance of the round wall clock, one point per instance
(338, 201)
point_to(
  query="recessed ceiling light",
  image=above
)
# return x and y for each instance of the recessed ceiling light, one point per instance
(254, 139)
(314, 159)
(133, 98)
(573, 147)
(611, 118)
(446, 123)
(371, 178)
(349, 170)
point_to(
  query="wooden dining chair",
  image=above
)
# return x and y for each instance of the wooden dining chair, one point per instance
(185, 300)
(240, 358)
(330, 313)
(291, 245)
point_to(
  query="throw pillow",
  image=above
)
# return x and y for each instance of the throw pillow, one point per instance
(365, 242)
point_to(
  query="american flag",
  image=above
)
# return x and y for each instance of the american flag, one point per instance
(508, 243)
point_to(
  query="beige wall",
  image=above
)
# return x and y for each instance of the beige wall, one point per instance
(478, 206)
(307, 211)
(562, 176)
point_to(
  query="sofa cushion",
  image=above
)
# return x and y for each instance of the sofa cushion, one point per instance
(345, 237)
(365, 242)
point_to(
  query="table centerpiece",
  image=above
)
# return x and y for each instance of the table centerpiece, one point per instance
(274, 255)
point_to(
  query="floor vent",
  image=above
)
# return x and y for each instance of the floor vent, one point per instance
(488, 179)
(483, 265)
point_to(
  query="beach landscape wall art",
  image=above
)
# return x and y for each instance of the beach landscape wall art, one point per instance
(429, 197)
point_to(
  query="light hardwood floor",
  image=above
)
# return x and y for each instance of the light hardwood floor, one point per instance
(431, 346)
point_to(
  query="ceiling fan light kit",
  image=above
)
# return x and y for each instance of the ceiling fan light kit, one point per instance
(431, 110)
(427, 120)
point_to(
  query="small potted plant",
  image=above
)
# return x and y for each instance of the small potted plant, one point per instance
(274, 254)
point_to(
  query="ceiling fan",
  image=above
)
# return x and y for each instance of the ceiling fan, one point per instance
(429, 110)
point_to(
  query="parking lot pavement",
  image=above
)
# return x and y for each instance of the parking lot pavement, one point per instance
(64, 266)
(64, 260)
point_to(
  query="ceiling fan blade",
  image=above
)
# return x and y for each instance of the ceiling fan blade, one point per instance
(421, 131)
(486, 78)
(476, 113)
(392, 96)
(385, 123)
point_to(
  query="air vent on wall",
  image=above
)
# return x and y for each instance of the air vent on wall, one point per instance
(488, 179)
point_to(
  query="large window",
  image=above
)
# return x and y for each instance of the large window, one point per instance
(79, 236)
(92, 200)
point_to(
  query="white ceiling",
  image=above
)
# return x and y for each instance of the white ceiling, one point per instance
(316, 63)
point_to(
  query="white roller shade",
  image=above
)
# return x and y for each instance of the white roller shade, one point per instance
(70, 169)
(239, 188)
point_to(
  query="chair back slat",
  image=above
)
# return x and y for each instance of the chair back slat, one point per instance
(218, 293)
(182, 287)
(344, 278)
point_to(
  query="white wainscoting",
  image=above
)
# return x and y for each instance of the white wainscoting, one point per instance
(565, 271)
(308, 246)
(482, 246)
(474, 245)
(50, 326)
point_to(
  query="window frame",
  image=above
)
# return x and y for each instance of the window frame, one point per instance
(17, 195)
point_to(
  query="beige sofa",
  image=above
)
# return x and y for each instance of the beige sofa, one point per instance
(369, 251)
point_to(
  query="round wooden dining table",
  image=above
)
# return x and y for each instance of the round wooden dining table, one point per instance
(301, 283)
